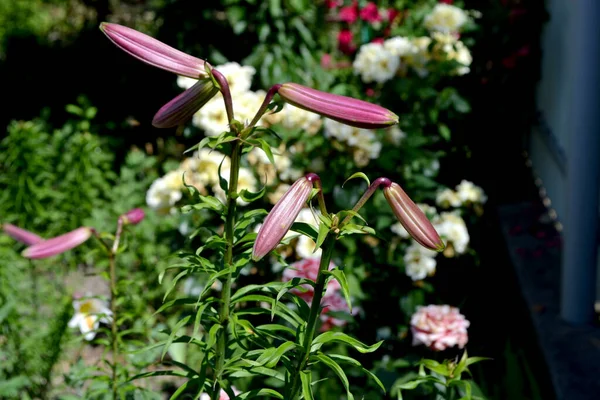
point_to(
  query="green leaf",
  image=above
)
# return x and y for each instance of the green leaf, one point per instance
(323, 232)
(435, 366)
(356, 363)
(444, 131)
(249, 196)
(260, 393)
(338, 370)
(275, 8)
(303, 31)
(338, 274)
(358, 175)
(343, 338)
(305, 229)
(305, 377)
(259, 371)
(174, 331)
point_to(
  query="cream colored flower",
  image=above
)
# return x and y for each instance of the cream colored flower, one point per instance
(420, 55)
(89, 313)
(448, 47)
(453, 230)
(419, 262)
(212, 118)
(165, 192)
(374, 63)
(292, 117)
(305, 248)
(468, 192)
(448, 198)
(246, 180)
(445, 18)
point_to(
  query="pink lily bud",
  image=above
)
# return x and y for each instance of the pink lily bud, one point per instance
(411, 217)
(21, 235)
(154, 52)
(183, 107)
(282, 216)
(58, 244)
(133, 217)
(349, 111)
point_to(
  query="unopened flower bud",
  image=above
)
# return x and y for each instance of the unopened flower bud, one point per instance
(154, 52)
(58, 244)
(412, 218)
(133, 217)
(282, 216)
(346, 110)
(21, 235)
(184, 106)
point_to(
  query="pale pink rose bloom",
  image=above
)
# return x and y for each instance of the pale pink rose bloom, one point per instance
(308, 268)
(439, 327)
(334, 301)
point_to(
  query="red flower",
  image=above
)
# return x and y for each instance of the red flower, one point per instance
(392, 14)
(370, 13)
(349, 14)
(345, 42)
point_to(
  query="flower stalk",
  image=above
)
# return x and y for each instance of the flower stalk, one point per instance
(315, 311)
(112, 254)
(221, 349)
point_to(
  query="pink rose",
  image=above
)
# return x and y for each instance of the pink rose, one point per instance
(439, 327)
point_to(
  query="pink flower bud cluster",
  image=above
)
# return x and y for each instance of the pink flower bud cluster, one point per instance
(439, 327)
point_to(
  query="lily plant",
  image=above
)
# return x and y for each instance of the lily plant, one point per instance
(233, 346)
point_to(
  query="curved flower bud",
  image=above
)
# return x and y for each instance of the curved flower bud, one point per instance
(58, 244)
(154, 52)
(346, 110)
(183, 107)
(412, 218)
(282, 216)
(21, 235)
(133, 217)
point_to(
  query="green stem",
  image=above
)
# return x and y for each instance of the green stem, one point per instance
(315, 311)
(34, 288)
(236, 153)
(113, 306)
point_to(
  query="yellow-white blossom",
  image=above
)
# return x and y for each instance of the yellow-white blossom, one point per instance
(246, 180)
(295, 118)
(452, 228)
(420, 55)
(448, 198)
(419, 262)
(468, 192)
(89, 313)
(445, 18)
(374, 63)
(165, 191)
